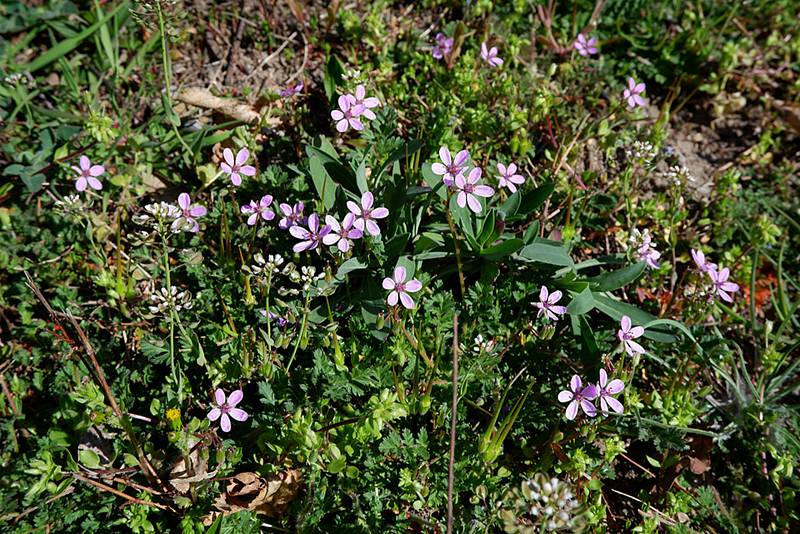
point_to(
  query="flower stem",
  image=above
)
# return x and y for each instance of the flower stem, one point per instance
(302, 332)
(458, 252)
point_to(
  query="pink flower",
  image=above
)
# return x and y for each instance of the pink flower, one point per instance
(547, 305)
(342, 235)
(633, 94)
(366, 215)
(450, 167)
(606, 389)
(442, 47)
(585, 47)
(292, 215)
(646, 252)
(87, 174)
(225, 409)
(469, 190)
(400, 289)
(291, 90)
(256, 209)
(361, 99)
(627, 333)
(509, 177)
(490, 56)
(311, 237)
(722, 286)
(237, 168)
(188, 213)
(348, 113)
(700, 260)
(578, 395)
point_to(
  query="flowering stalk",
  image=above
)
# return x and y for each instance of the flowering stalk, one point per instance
(460, 266)
(302, 330)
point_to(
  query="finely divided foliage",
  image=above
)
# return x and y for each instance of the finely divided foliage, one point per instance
(420, 268)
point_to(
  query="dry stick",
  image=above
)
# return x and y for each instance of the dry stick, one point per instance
(100, 377)
(450, 470)
(115, 491)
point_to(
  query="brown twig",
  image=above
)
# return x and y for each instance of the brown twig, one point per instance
(118, 493)
(454, 407)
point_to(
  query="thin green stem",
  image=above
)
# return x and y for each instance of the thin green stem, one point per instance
(302, 332)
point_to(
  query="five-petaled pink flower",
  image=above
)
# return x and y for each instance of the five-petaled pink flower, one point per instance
(348, 113)
(633, 94)
(450, 167)
(187, 219)
(509, 177)
(584, 46)
(310, 237)
(627, 333)
(489, 55)
(606, 390)
(225, 409)
(236, 168)
(469, 190)
(292, 215)
(361, 99)
(700, 260)
(291, 90)
(87, 175)
(342, 235)
(442, 47)
(646, 252)
(722, 287)
(256, 209)
(578, 395)
(365, 214)
(400, 289)
(547, 304)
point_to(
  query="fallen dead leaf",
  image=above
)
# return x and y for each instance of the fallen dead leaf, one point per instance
(182, 476)
(197, 96)
(269, 495)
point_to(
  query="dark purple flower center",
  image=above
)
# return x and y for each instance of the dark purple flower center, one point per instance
(469, 188)
(400, 288)
(453, 169)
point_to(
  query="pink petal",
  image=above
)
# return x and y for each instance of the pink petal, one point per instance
(636, 331)
(555, 296)
(461, 158)
(543, 294)
(588, 408)
(356, 124)
(631, 84)
(251, 220)
(219, 396)
(184, 201)
(235, 397)
(198, 211)
(226, 168)
(603, 378)
(572, 410)
(439, 168)
(615, 386)
(85, 163)
(474, 205)
(341, 126)
(461, 199)
(474, 175)
(371, 102)
(413, 286)
(344, 102)
(575, 383)
(299, 232)
(238, 414)
(444, 154)
(392, 298)
(558, 309)
(626, 323)
(214, 414)
(242, 156)
(406, 300)
(373, 228)
(634, 347)
(483, 191)
(460, 182)
(399, 274)
(337, 115)
(380, 213)
(227, 154)
(367, 200)
(565, 396)
(236, 179)
(639, 87)
(248, 170)
(614, 404)
(80, 185)
(361, 92)
(225, 423)
(96, 170)
(388, 284)
(94, 183)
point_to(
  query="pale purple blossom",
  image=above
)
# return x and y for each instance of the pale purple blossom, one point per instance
(489, 55)
(347, 114)
(442, 47)
(633, 94)
(236, 167)
(361, 99)
(584, 46)
(366, 215)
(547, 304)
(578, 395)
(469, 190)
(254, 210)
(342, 235)
(450, 167)
(700, 260)
(646, 252)
(310, 237)
(627, 333)
(722, 287)
(399, 288)
(226, 408)
(292, 215)
(605, 392)
(87, 174)
(509, 177)
(291, 90)
(187, 218)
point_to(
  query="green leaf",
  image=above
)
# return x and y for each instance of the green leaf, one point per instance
(333, 76)
(406, 150)
(510, 206)
(502, 250)
(353, 264)
(487, 229)
(616, 309)
(616, 279)
(533, 199)
(324, 184)
(546, 251)
(433, 180)
(89, 458)
(581, 303)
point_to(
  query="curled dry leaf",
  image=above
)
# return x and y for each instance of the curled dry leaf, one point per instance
(269, 495)
(197, 96)
(182, 476)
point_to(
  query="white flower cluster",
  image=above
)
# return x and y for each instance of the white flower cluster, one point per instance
(162, 300)
(70, 204)
(642, 150)
(540, 504)
(679, 175)
(157, 213)
(483, 345)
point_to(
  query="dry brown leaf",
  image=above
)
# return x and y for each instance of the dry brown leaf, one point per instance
(181, 478)
(269, 495)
